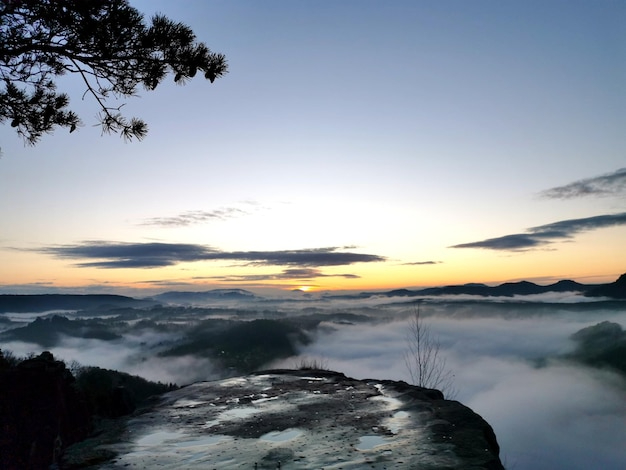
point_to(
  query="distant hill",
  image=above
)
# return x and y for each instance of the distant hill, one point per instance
(47, 332)
(205, 296)
(615, 290)
(48, 302)
(45, 302)
(508, 289)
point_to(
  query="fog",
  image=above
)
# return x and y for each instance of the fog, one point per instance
(559, 415)
(131, 355)
(507, 359)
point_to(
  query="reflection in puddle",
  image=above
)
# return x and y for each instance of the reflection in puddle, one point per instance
(233, 413)
(393, 402)
(158, 438)
(238, 413)
(395, 422)
(203, 441)
(369, 442)
(281, 436)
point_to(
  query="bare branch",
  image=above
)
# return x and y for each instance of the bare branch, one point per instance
(426, 367)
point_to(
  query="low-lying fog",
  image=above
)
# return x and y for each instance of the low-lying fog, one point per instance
(547, 412)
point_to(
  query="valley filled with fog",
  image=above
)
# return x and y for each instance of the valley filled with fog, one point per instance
(520, 362)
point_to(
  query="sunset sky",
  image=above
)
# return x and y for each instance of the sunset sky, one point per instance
(353, 144)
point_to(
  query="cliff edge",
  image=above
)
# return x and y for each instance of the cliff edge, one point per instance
(295, 419)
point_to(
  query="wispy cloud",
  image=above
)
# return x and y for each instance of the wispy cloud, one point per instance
(421, 263)
(605, 185)
(187, 218)
(151, 255)
(295, 274)
(193, 217)
(542, 235)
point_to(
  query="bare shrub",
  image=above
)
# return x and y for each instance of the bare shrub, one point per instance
(307, 363)
(427, 367)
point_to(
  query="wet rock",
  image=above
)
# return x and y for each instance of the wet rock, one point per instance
(275, 457)
(296, 420)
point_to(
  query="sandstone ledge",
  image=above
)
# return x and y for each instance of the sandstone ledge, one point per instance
(295, 419)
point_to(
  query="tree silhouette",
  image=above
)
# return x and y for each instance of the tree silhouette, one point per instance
(107, 43)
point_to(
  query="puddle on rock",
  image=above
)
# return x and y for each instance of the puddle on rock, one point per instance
(238, 413)
(203, 441)
(393, 402)
(369, 442)
(158, 438)
(233, 413)
(281, 436)
(394, 424)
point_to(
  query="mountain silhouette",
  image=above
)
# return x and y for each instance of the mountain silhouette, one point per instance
(44, 302)
(205, 296)
(508, 289)
(615, 290)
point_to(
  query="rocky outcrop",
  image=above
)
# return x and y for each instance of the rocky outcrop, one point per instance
(41, 412)
(602, 345)
(295, 420)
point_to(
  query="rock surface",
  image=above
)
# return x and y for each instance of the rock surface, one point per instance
(293, 420)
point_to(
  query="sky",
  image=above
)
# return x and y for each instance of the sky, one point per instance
(353, 145)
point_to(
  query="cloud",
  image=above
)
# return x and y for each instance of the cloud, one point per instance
(421, 263)
(151, 255)
(130, 255)
(605, 185)
(306, 257)
(287, 274)
(187, 218)
(542, 235)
